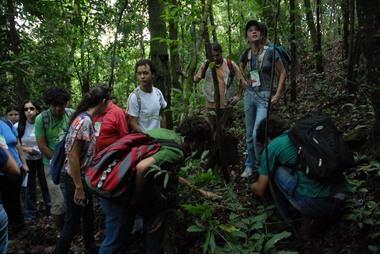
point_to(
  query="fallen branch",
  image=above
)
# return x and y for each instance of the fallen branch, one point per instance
(205, 193)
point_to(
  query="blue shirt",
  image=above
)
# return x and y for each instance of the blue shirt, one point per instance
(10, 136)
(3, 159)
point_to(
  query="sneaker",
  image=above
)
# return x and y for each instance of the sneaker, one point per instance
(247, 172)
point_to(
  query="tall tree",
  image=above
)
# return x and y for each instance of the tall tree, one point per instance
(346, 20)
(369, 24)
(159, 52)
(293, 51)
(354, 39)
(22, 91)
(317, 47)
(115, 42)
(175, 63)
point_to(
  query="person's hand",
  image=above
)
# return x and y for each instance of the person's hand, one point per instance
(79, 196)
(232, 101)
(157, 222)
(275, 99)
(25, 167)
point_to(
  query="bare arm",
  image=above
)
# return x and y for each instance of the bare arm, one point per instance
(134, 124)
(163, 119)
(22, 156)
(281, 82)
(199, 75)
(42, 145)
(74, 161)
(260, 186)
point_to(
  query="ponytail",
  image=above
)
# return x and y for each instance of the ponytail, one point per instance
(91, 99)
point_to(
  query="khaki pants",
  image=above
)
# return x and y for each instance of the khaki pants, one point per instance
(56, 195)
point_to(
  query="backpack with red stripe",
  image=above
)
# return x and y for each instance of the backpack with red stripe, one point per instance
(112, 169)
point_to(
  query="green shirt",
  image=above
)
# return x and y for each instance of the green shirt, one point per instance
(283, 152)
(166, 154)
(56, 129)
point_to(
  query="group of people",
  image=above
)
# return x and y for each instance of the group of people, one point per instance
(315, 199)
(95, 124)
(27, 145)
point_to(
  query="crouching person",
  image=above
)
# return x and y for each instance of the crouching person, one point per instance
(146, 201)
(323, 200)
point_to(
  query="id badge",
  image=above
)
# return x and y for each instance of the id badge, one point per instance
(255, 78)
(97, 127)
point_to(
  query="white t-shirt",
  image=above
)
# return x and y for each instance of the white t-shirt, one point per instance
(29, 140)
(148, 112)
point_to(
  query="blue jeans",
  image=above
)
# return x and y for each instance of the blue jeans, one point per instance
(255, 110)
(325, 207)
(119, 220)
(3, 230)
(36, 168)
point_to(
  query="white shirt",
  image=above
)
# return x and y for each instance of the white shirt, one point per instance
(29, 140)
(148, 111)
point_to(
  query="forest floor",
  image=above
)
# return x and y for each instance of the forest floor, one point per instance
(357, 232)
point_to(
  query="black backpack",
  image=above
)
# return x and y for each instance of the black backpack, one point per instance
(322, 152)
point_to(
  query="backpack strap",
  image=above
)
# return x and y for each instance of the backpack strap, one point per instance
(158, 95)
(244, 57)
(169, 143)
(232, 72)
(45, 120)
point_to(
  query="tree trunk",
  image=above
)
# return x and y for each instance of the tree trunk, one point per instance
(293, 51)
(229, 27)
(212, 23)
(353, 56)
(319, 56)
(313, 34)
(159, 53)
(175, 63)
(21, 92)
(346, 21)
(114, 45)
(369, 25)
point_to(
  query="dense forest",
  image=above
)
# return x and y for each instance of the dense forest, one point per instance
(335, 57)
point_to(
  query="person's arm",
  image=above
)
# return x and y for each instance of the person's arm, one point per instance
(133, 123)
(163, 119)
(22, 156)
(242, 83)
(42, 145)
(281, 82)
(74, 162)
(163, 105)
(133, 112)
(260, 186)
(199, 75)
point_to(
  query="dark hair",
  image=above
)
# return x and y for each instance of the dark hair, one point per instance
(56, 96)
(216, 47)
(196, 130)
(260, 26)
(92, 98)
(22, 120)
(276, 126)
(11, 108)
(146, 62)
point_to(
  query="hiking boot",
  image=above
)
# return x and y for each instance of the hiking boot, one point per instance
(247, 172)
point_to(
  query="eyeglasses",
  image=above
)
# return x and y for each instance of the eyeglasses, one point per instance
(29, 109)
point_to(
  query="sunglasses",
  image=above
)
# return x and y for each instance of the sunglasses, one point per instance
(29, 109)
